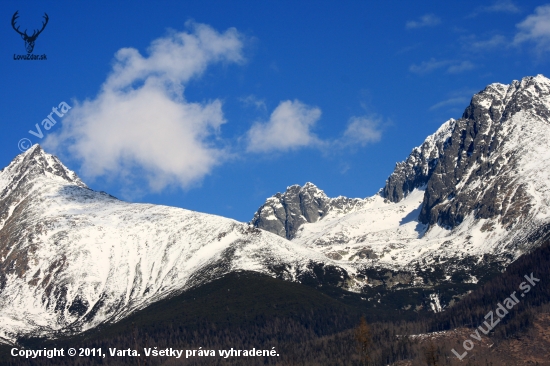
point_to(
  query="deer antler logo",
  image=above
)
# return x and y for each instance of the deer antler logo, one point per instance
(29, 40)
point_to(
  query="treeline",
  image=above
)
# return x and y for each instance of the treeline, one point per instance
(307, 327)
(471, 311)
(295, 342)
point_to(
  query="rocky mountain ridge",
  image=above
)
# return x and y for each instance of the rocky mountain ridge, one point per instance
(489, 146)
(490, 154)
(284, 213)
(417, 169)
(468, 201)
(476, 191)
(72, 258)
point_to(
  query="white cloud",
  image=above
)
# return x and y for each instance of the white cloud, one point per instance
(428, 20)
(361, 131)
(499, 6)
(460, 67)
(289, 127)
(495, 41)
(502, 6)
(176, 58)
(451, 66)
(141, 127)
(140, 120)
(535, 28)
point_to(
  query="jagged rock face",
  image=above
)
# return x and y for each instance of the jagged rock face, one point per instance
(419, 166)
(478, 186)
(479, 172)
(283, 214)
(473, 166)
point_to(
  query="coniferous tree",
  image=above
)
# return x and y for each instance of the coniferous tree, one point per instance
(363, 337)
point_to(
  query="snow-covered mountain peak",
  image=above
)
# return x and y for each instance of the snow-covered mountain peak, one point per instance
(538, 81)
(29, 172)
(443, 132)
(504, 91)
(481, 127)
(72, 258)
(34, 164)
(470, 198)
(284, 213)
(309, 189)
(313, 188)
(499, 102)
(479, 185)
(494, 165)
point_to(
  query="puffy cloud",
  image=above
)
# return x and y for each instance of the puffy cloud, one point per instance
(140, 120)
(140, 125)
(176, 58)
(361, 131)
(535, 28)
(428, 20)
(289, 127)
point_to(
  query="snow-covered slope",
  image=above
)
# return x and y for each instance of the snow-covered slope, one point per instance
(284, 213)
(471, 198)
(384, 234)
(378, 231)
(72, 258)
(478, 186)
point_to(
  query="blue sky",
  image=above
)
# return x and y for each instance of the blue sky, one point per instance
(216, 105)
